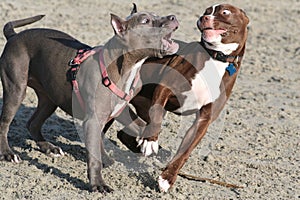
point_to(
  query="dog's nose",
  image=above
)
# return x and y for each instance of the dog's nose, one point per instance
(205, 18)
(171, 17)
(169, 21)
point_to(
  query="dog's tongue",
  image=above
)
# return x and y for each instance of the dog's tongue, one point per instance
(213, 33)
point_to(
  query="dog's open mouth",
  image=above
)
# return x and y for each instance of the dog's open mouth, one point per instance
(209, 32)
(168, 45)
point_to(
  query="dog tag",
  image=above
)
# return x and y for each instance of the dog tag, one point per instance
(231, 69)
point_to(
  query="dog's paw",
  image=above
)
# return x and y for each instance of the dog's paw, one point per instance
(56, 152)
(104, 189)
(148, 147)
(163, 184)
(14, 158)
(50, 149)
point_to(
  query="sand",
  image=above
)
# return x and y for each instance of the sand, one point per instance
(254, 144)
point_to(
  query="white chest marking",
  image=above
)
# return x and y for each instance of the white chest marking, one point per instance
(134, 70)
(118, 108)
(219, 46)
(205, 86)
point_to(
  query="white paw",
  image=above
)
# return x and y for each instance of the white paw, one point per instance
(16, 159)
(59, 154)
(148, 147)
(163, 184)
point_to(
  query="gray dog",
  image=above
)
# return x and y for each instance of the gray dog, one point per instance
(39, 58)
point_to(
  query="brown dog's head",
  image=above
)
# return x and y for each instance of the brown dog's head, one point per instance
(224, 28)
(146, 31)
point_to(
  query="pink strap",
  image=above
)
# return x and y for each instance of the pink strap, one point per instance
(78, 95)
(82, 55)
(108, 83)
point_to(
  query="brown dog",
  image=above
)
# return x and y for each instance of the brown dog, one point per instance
(198, 80)
(39, 58)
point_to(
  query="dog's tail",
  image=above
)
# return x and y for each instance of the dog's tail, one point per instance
(8, 29)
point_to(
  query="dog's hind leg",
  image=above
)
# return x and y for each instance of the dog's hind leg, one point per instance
(44, 110)
(14, 81)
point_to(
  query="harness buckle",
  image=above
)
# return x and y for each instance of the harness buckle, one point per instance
(72, 64)
(72, 72)
(125, 96)
(106, 81)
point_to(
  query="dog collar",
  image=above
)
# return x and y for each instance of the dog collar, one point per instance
(218, 55)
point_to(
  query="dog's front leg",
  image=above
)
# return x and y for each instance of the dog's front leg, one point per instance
(93, 127)
(189, 142)
(133, 128)
(149, 139)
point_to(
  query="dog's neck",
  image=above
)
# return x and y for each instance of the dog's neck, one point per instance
(234, 55)
(122, 66)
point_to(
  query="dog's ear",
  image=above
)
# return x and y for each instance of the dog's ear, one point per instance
(119, 25)
(245, 16)
(134, 9)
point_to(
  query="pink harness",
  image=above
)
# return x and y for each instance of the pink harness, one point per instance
(81, 56)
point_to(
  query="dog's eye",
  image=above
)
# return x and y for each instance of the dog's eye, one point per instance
(145, 21)
(226, 12)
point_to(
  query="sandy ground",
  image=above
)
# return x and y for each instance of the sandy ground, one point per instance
(254, 144)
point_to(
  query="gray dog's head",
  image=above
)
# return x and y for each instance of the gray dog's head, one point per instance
(146, 32)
